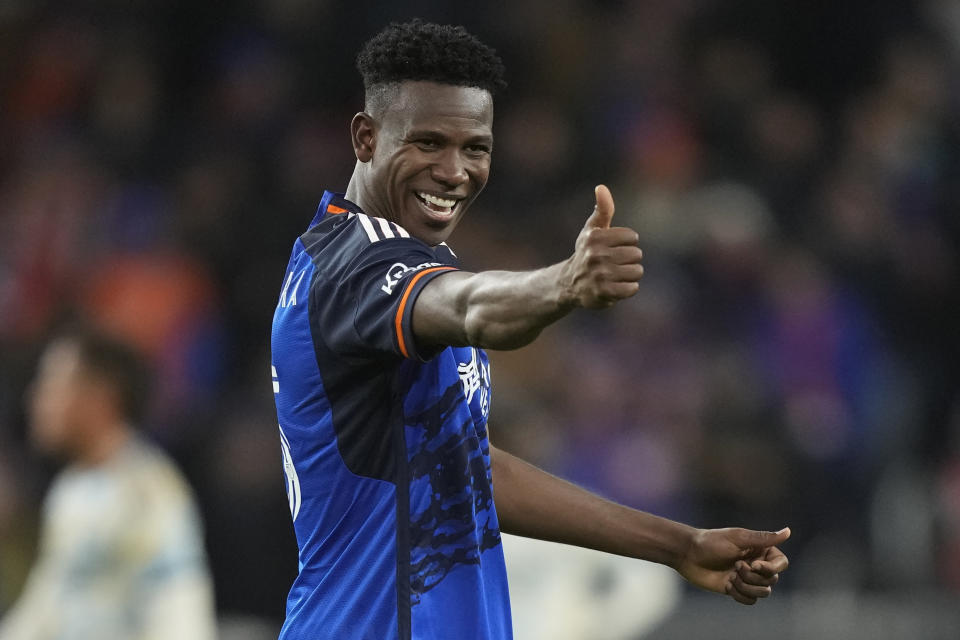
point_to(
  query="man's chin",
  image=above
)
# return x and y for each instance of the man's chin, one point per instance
(50, 448)
(431, 238)
(430, 231)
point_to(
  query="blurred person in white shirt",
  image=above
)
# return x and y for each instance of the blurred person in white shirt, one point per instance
(121, 552)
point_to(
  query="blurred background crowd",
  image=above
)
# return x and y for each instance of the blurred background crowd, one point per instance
(793, 169)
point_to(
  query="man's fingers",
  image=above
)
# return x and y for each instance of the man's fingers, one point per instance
(774, 562)
(606, 263)
(622, 290)
(750, 576)
(739, 597)
(626, 255)
(627, 273)
(749, 590)
(603, 212)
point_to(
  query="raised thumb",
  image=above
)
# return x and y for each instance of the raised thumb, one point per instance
(602, 213)
(771, 538)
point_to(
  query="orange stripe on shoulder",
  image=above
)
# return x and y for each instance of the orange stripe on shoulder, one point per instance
(332, 208)
(398, 320)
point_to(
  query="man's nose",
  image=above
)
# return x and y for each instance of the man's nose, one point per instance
(450, 169)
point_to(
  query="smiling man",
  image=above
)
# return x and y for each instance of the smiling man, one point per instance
(383, 388)
(407, 127)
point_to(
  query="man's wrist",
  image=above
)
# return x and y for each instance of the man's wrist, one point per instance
(668, 542)
(686, 539)
(565, 298)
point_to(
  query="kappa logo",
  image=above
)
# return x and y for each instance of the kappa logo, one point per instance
(396, 272)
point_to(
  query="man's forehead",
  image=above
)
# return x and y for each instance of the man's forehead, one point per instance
(418, 102)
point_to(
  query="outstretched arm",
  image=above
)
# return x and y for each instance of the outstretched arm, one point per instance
(506, 310)
(742, 563)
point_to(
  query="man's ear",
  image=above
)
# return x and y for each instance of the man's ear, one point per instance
(363, 133)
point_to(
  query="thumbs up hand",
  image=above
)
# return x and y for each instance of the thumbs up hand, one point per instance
(741, 563)
(605, 265)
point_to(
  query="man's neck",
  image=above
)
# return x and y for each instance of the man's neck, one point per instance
(354, 190)
(100, 450)
(358, 193)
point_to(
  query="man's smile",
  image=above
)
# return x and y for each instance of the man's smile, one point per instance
(438, 208)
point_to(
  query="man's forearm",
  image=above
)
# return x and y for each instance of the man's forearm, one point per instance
(492, 309)
(535, 504)
(506, 310)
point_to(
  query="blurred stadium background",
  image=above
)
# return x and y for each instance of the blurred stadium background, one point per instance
(793, 168)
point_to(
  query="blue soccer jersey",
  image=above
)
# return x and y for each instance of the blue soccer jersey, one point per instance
(384, 447)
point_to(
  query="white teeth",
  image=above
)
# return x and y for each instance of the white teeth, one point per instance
(440, 202)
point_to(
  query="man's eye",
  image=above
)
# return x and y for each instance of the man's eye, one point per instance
(427, 145)
(478, 148)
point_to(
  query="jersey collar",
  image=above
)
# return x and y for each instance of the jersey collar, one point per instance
(336, 203)
(333, 203)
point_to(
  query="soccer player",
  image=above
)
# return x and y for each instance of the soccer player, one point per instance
(121, 552)
(382, 386)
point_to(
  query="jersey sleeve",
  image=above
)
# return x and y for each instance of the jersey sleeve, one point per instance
(366, 308)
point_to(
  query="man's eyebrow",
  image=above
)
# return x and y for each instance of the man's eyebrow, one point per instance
(425, 133)
(433, 134)
(484, 138)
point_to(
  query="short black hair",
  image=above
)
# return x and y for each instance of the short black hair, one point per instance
(418, 50)
(115, 362)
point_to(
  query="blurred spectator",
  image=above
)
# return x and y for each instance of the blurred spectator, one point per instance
(121, 553)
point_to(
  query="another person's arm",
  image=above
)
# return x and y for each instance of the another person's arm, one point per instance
(506, 310)
(742, 563)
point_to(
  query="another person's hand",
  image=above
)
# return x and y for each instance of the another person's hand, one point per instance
(741, 563)
(605, 265)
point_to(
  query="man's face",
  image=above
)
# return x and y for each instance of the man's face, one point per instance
(431, 157)
(56, 404)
